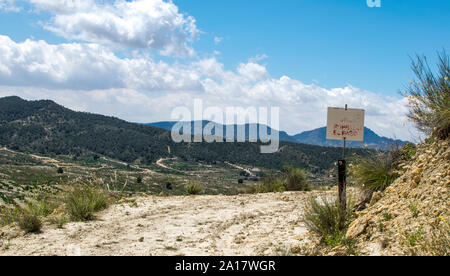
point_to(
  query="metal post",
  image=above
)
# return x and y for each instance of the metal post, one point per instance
(343, 151)
(342, 176)
(342, 168)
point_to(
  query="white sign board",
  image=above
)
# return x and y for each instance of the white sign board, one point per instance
(345, 123)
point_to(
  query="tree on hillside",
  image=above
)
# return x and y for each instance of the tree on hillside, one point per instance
(429, 96)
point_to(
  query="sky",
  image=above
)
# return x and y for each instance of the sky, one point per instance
(139, 60)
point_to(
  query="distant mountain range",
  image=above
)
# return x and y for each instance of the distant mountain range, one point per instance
(314, 137)
(44, 127)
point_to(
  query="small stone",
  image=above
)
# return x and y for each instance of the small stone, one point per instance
(375, 198)
(356, 228)
(141, 239)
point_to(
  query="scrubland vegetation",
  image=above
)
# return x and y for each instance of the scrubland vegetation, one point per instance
(429, 99)
(77, 203)
(60, 197)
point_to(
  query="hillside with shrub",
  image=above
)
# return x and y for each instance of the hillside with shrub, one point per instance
(47, 128)
(403, 205)
(411, 215)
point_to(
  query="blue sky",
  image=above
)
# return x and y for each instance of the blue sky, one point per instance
(333, 42)
(138, 60)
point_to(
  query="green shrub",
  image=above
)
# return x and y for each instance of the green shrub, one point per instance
(59, 220)
(139, 180)
(296, 180)
(387, 216)
(169, 183)
(375, 172)
(323, 218)
(251, 189)
(408, 152)
(83, 201)
(414, 238)
(30, 223)
(414, 209)
(429, 97)
(194, 188)
(60, 170)
(271, 184)
(293, 179)
(8, 216)
(41, 207)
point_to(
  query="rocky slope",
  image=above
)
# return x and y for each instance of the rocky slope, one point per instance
(412, 216)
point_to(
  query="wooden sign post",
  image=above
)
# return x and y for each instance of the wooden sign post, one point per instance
(347, 125)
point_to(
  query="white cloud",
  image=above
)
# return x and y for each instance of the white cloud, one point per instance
(63, 6)
(217, 40)
(87, 66)
(143, 24)
(91, 78)
(252, 71)
(258, 58)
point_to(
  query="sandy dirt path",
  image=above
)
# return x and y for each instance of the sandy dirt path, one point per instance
(186, 225)
(147, 171)
(241, 168)
(162, 165)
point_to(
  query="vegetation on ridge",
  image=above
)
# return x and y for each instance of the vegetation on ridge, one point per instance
(429, 97)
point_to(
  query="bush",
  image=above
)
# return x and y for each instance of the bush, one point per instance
(169, 183)
(194, 188)
(296, 180)
(83, 201)
(408, 152)
(139, 180)
(30, 223)
(41, 207)
(60, 170)
(59, 220)
(28, 218)
(374, 172)
(271, 184)
(8, 216)
(323, 218)
(429, 97)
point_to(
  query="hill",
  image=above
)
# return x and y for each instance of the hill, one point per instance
(314, 137)
(412, 216)
(47, 128)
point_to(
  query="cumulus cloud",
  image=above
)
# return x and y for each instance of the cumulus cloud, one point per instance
(87, 67)
(142, 24)
(302, 106)
(90, 77)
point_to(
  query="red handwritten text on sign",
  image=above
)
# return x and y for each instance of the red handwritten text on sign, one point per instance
(345, 124)
(345, 129)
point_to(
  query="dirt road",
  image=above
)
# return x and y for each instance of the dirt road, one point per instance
(242, 169)
(259, 224)
(161, 164)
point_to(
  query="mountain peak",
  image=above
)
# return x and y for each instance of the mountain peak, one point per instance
(313, 137)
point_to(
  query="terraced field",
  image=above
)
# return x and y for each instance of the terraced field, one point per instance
(24, 175)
